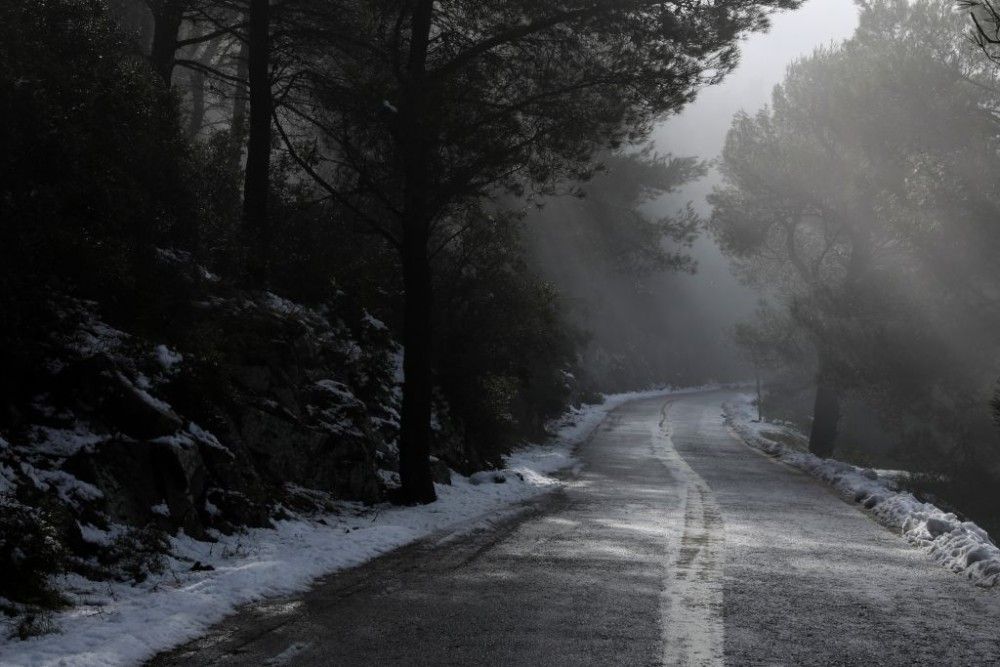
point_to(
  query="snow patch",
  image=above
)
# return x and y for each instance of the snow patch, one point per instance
(961, 546)
(71, 490)
(167, 358)
(145, 396)
(374, 322)
(123, 624)
(340, 390)
(62, 442)
(95, 535)
(207, 438)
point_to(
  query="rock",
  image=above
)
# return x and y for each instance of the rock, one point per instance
(240, 508)
(440, 471)
(252, 382)
(287, 451)
(125, 473)
(136, 414)
(97, 383)
(487, 477)
(137, 476)
(253, 378)
(362, 483)
(83, 382)
(183, 477)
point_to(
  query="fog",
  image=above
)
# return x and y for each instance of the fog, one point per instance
(688, 318)
(700, 128)
(712, 300)
(283, 264)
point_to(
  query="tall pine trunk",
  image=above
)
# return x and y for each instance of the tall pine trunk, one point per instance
(198, 80)
(167, 16)
(256, 225)
(415, 420)
(238, 125)
(197, 118)
(415, 433)
(826, 415)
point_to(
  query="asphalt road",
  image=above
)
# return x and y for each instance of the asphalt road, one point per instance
(675, 544)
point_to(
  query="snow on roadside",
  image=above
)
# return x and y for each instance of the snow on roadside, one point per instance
(123, 624)
(961, 546)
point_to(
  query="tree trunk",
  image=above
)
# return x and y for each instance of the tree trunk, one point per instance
(238, 126)
(197, 118)
(167, 16)
(256, 183)
(826, 415)
(415, 420)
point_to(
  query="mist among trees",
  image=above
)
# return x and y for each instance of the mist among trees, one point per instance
(268, 257)
(862, 203)
(297, 232)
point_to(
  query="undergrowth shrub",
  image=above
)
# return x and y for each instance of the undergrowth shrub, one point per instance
(31, 552)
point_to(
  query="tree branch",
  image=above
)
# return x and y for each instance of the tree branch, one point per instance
(335, 194)
(521, 31)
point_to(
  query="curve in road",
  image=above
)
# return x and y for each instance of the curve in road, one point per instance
(675, 544)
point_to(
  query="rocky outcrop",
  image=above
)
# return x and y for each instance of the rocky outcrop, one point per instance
(252, 402)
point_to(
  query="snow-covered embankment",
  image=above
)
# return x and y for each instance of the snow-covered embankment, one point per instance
(961, 546)
(122, 624)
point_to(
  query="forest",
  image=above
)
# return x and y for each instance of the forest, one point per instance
(231, 228)
(266, 259)
(862, 201)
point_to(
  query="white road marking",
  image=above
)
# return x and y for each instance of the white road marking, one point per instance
(692, 596)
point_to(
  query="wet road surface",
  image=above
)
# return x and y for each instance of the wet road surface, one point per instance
(673, 544)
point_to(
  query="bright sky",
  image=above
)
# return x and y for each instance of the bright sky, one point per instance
(701, 128)
(711, 301)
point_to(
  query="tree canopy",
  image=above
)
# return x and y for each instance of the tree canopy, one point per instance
(863, 200)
